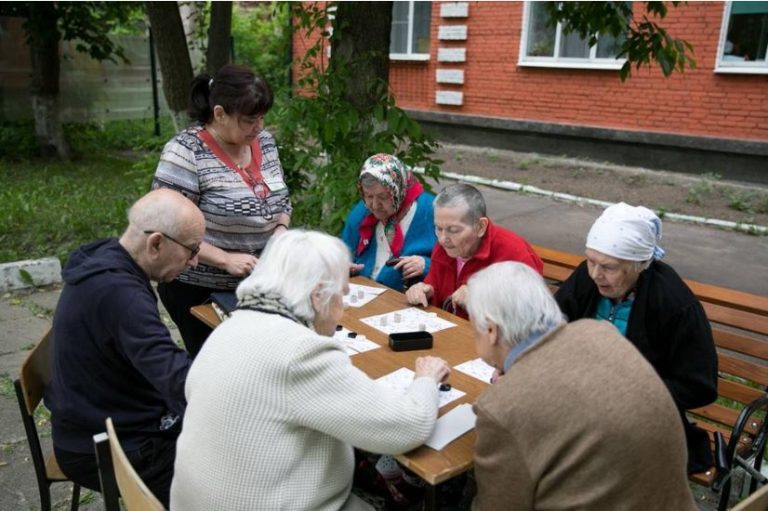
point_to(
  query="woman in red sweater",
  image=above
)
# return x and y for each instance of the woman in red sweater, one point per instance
(467, 242)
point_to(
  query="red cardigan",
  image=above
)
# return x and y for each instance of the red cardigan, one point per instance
(498, 244)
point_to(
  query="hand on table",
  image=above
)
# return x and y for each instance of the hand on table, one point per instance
(239, 264)
(459, 297)
(411, 266)
(355, 268)
(419, 294)
(432, 367)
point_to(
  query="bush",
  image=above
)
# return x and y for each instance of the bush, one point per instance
(261, 36)
(17, 140)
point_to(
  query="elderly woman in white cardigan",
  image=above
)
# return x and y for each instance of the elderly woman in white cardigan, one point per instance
(275, 406)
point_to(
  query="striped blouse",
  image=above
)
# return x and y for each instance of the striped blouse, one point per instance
(236, 220)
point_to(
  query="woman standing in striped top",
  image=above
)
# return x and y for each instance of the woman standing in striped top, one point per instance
(228, 165)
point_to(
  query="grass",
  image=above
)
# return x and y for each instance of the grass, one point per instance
(702, 189)
(526, 164)
(739, 201)
(50, 207)
(6, 387)
(87, 497)
(47, 209)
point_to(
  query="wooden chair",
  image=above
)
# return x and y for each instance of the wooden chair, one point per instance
(118, 476)
(34, 375)
(758, 501)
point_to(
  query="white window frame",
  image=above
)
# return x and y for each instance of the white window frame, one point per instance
(610, 64)
(752, 67)
(409, 55)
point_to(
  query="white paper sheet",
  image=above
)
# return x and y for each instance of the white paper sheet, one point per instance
(354, 345)
(451, 426)
(360, 295)
(401, 379)
(477, 369)
(411, 319)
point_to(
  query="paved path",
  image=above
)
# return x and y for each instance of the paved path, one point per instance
(706, 254)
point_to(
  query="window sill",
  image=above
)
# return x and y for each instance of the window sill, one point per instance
(742, 70)
(561, 64)
(409, 57)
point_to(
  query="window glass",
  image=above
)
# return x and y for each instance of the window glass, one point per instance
(422, 14)
(399, 36)
(550, 46)
(573, 46)
(410, 27)
(541, 38)
(608, 46)
(747, 36)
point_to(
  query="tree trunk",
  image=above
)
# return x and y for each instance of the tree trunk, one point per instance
(173, 56)
(219, 33)
(361, 34)
(44, 87)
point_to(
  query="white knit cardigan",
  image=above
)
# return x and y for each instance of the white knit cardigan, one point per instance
(273, 412)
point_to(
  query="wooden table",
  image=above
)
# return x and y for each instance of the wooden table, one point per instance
(455, 345)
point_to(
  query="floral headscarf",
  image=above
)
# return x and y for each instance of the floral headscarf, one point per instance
(404, 188)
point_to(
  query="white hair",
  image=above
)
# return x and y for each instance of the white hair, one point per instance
(297, 263)
(514, 297)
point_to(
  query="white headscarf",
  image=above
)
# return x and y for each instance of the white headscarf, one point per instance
(627, 232)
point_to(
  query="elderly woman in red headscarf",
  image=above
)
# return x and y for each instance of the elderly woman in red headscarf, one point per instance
(391, 231)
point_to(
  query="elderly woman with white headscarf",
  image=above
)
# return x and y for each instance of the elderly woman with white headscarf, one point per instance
(624, 282)
(275, 405)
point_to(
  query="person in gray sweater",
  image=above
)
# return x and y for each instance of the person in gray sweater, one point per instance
(275, 405)
(579, 419)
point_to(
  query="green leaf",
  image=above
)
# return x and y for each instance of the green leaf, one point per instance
(26, 277)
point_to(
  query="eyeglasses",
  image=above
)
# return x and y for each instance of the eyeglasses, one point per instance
(193, 250)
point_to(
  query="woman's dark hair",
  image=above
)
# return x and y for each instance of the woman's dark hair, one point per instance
(236, 88)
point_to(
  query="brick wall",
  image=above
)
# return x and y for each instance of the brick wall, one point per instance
(697, 102)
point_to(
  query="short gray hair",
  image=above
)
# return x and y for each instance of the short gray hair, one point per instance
(296, 263)
(368, 181)
(466, 196)
(515, 298)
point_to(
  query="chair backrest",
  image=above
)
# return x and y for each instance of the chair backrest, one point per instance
(109, 491)
(36, 373)
(758, 501)
(136, 495)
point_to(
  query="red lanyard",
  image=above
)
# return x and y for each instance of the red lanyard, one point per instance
(253, 175)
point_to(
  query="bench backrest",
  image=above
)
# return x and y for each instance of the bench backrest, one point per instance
(740, 329)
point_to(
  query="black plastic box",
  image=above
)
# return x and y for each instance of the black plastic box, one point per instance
(407, 341)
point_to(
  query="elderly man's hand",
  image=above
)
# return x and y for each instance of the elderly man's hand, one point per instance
(411, 266)
(419, 294)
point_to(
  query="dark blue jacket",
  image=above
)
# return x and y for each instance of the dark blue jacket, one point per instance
(112, 356)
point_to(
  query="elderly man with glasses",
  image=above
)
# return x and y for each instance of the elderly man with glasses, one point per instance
(112, 354)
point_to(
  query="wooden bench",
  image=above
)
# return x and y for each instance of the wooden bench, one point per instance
(740, 329)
